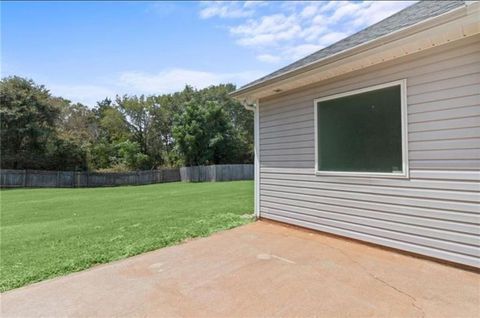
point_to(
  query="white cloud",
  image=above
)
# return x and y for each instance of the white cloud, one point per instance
(290, 30)
(267, 30)
(172, 80)
(226, 9)
(135, 82)
(309, 11)
(269, 58)
(254, 4)
(378, 10)
(85, 94)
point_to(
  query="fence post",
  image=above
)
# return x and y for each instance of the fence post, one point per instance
(213, 170)
(25, 178)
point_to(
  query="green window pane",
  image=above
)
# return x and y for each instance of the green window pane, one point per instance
(361, 133)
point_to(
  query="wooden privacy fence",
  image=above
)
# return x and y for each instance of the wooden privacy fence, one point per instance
(217, 173)
(71, 179)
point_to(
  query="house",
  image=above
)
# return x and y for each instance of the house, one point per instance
(377, 137)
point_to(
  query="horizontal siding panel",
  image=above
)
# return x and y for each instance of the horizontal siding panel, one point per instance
(445, 164)
(415, 202)
(467, 143)
(450, 103)
(445, 220)
(287, 164)
(471, 132)
(467, 239)
(437, 84)
(446, 175)
(445, 124)
(308, 175)
(308, 137)
(288, 145)
(304, 200)
(309, 129)
(296, 157)
(382, 190)
(449, 69)
(291, 119)
(366, 236)
(445, 114)
(288, 113)
(288, 151)
(445, 154)
(465, 90)
(305, 171)
(300, 107)
(287, 127)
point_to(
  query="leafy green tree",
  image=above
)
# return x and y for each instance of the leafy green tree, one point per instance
(240, 118)
(204, 135)
(78, 123)
(30, 134)
(130, 155)
(163, 114)
(137, 112)
(64, 154)
(40, 131)
(28, 116)
(113, 126)
(102, 155)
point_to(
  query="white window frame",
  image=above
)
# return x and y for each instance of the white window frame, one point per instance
(403, 101)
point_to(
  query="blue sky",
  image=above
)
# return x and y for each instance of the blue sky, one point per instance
(86, 51)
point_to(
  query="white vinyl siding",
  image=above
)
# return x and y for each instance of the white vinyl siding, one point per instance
(436, 211)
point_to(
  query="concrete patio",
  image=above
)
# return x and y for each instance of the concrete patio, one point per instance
(261, 269)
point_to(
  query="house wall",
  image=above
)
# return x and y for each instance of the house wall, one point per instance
(436, 211)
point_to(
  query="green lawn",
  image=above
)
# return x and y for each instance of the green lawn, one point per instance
(51, 232)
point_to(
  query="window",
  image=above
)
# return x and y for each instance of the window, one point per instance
(363, 132)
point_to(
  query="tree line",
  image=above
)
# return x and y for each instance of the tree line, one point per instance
(190, 127)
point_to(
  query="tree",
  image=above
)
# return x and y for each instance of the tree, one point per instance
(138, 114)
(29, 138)
(40, 131)
(129, 155)
(27, 122)
(78, 123)
(204, 135)
(240, 118)
(113, 126)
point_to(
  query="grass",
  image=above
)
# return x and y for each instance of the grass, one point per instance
(52, 232)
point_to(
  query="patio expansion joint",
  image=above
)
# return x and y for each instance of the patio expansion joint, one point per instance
(375, 277)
